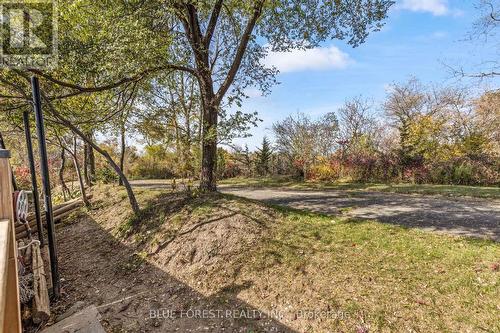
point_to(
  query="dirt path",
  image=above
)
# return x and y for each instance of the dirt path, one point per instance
(458, 216)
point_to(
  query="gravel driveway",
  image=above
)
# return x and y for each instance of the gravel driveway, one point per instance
(457, 216)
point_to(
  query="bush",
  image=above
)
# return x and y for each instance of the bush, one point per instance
(23, 177)
(464, 171)
(231, 170)
(152, 171)
(325, 170)
(106, 175)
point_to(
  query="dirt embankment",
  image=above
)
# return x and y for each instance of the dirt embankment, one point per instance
(184, 255)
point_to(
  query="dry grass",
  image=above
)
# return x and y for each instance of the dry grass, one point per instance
(362, 275)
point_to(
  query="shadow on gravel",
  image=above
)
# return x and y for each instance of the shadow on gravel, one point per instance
(464, 217)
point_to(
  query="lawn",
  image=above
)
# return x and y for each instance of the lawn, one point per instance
(345, 275)
(428, 189)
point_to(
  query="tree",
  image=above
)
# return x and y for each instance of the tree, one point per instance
(245, 158)
(106, 47)
(302, 140)
(403, 105)
(356, 122)
(263, 158)
(64, 188)
(220, 43)
(220, 39)
(487, 115)
(73, 153)
(214, 41)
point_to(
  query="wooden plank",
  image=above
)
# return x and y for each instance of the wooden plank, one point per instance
(41, 302)
(4, 265)
(11, 316)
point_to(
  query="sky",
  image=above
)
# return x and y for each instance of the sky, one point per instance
(419, 39)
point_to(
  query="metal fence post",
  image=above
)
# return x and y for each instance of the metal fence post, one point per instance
(44, 164)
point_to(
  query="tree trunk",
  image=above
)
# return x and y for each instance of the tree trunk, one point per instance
(64, 188)
(122, 152)
(209, 149)
(79, 174)
(86, 174)
(209, 135)
(188, 158)
(91, 161)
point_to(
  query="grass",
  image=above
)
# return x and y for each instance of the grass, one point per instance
(355, 275)
(427, 189)
(384, 277)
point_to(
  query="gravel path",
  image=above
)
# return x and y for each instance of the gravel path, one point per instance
(458, 216)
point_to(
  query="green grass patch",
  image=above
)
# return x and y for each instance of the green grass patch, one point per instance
(390, 277)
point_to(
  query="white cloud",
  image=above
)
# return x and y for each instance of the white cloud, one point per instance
(436, 7)
(439, 34)
(319, 58)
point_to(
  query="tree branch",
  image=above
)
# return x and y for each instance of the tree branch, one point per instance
(240, 51)
(212, 23)
(81, 89)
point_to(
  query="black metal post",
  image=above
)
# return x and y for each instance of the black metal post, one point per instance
(34, 185)
(44, 165)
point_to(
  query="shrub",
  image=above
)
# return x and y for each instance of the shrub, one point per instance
(465, 171)
(152, 171)
(23, 177)
(106, 175)
(325, 170)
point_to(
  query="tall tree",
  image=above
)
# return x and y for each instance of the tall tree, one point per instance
(220, 39)
(263, 158)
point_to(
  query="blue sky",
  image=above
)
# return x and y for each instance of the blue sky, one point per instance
(419, 37)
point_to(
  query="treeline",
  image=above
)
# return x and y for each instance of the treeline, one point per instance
(418, 134)
(174, 75)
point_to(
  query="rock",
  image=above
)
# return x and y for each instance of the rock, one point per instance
(71, 311)
(85, 321)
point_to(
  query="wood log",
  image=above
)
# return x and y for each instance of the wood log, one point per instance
(46, 265)
(28, 255)
(41, 302)
(21, 227)
(31, 216)
(61, 213)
